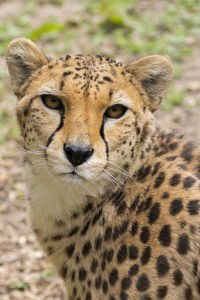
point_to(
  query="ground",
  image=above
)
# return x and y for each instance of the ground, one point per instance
(24, 270)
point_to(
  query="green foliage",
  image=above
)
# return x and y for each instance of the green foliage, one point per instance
(20, 286)
(47, 31)
(45, 274)
(174, 98)
(139, 33)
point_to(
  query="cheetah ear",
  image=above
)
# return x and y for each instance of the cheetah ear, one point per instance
(155, 74)
(23, 57)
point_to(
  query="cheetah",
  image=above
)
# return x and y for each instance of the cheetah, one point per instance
(114, 201)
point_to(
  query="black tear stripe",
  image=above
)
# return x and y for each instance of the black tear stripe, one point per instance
(50, 139)
(26, 110)
(103, 137)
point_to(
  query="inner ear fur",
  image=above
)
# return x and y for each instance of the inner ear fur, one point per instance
(155, 74)
(23, 57)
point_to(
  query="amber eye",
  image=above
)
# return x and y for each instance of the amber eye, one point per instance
(116, 111)
(52, 102)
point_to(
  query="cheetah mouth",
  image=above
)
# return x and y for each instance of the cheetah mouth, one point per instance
(72, 175)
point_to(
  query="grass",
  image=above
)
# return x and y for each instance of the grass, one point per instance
(20, 286)
(114, 27)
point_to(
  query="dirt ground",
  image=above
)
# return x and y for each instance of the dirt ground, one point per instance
(21, 260)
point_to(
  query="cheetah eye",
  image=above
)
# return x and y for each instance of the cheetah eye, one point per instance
(52, 102)
(115, 111)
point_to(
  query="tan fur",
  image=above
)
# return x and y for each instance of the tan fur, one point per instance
(126, 225)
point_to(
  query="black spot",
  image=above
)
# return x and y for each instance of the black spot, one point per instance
(156, 168)
(98, 242)
(146, 255)
(192, 229)
(159, 180)
(67, 73)
(88, 208)
(198, 286)
(98, 281)
(134, 204)
(113, 277)
(126, 283)
(122, 254)
(147, 203)
(85, 228)
(62, 84)
(182, 167)
(73, 231)
(86, 248)
(188, 293)
(195, 267)
(88, 296)
(187, 152)
(162, 291)
(162, 265)
(63, 272)
(177, 277)
(133, 252)
(105, 287)
(70, 250)
(133, 270)
(183, 245)
(108, 234)
(143, 173)
(82, 274)
(165, 236)
(73, 275)
(175, 180)
(171, 158)
(121, 208)
(145, 297)
(124, 226)
(134, 228)
(77, 259)
(188, 182)
(154, 213)
(144, 235)
(116, 233)
(143, 283)
(173, 146)
(94, 265)
(97, 216)
(193, 207)
(107, 78)
(74, 291)
(176, 206)
(138, 130)
(123, 296)
(103, 264)
(109, 255)
(165, 195)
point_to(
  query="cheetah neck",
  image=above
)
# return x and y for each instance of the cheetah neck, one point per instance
(52, 200)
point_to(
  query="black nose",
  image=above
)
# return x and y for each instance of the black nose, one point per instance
(77, 155)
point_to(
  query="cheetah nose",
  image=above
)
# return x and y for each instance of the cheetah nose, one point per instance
(77, 155)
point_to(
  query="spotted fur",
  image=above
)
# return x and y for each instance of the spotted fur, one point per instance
(125, 223)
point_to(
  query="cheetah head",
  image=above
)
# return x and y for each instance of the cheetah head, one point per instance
(85, 118)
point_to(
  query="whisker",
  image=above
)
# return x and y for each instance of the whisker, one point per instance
(115, 165)
(123, 173)
(113, 178)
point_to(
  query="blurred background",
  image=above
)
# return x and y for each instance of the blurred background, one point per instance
(123, 29)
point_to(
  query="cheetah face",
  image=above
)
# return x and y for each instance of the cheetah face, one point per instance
(85, 118)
